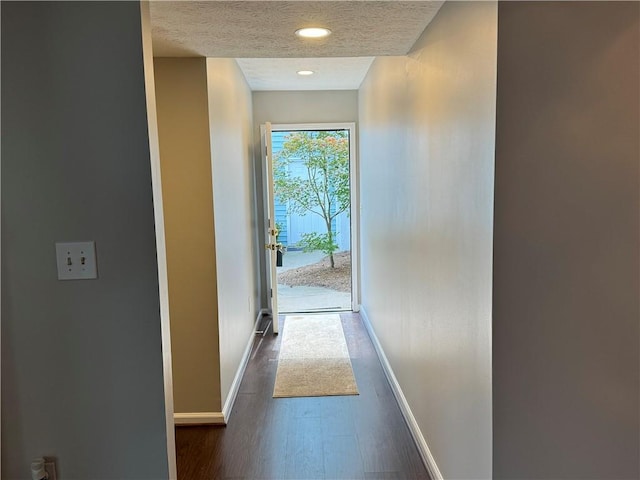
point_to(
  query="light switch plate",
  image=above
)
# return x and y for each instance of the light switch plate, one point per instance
(76, 260)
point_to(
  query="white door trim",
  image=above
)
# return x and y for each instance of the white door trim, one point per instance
(266, 156)
(163, 283)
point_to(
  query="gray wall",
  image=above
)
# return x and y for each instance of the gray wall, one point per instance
(305, 106)
(426, 174)
(81, 360)
(565, 331)
(293, 107)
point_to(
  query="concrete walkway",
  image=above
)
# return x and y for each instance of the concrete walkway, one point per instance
(308, 299)
(298, 258)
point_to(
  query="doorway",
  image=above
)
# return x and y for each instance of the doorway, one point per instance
(311, 172)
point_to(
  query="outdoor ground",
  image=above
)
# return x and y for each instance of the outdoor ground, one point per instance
(320, 274)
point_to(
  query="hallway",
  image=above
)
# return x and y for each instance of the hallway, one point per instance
(350, 437)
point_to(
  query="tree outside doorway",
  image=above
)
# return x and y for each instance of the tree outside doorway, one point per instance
(311, 178)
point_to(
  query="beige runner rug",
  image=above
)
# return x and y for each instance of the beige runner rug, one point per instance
(314, 359)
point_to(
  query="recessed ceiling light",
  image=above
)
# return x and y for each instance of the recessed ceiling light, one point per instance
(305, 72)
(313, 32)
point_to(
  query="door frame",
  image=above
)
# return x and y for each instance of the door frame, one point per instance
(354, 211)
(161, 254)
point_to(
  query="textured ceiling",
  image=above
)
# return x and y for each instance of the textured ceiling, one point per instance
(280, 73)
(255, 30)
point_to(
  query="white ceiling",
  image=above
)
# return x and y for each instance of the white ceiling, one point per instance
(280, 73)
(260, 34)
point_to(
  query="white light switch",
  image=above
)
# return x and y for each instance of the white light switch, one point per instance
(76, 260)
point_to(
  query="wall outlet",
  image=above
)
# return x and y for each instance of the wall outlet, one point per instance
(76, 260)
(50, 468)
(43, 468)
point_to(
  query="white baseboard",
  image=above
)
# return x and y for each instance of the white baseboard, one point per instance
(235, 385)
(418, 437)
(221, 418)
(199, 418)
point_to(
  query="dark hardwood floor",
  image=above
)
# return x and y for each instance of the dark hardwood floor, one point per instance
(350, 437)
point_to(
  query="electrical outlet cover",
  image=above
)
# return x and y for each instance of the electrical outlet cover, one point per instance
(76, 260)
(50, 468)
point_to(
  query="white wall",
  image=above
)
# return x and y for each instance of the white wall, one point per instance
(305, 106)
(231, 124)
(330, 106)
(427, 140)
(81, 360)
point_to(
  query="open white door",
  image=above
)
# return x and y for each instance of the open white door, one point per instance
(272, 232)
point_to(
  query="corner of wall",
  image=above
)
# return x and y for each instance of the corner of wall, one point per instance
(421, 442)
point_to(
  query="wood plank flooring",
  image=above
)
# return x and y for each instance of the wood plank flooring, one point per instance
(350, 437)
